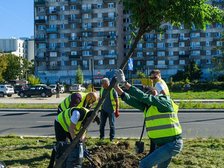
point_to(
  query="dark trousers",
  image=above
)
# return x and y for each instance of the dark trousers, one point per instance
(103, 119)
(73, 160)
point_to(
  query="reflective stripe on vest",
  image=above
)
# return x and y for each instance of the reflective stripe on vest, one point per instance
(64, 118)
(159, 125)
(65, 103)
(111, 97)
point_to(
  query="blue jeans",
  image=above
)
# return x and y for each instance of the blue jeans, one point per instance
(162, 155)
(103, 119)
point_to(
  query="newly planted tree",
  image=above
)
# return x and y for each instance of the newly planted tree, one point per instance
(147, 16)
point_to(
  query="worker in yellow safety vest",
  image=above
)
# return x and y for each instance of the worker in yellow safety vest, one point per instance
(162, 124)
(109, 109)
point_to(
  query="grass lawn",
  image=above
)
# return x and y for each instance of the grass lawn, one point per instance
(198, 95)
(23, 152)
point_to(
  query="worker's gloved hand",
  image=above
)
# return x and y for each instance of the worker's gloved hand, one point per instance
(119, 74)
(117, 113)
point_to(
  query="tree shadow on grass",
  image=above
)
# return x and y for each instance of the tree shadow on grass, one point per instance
(30, 162)
(27, 147)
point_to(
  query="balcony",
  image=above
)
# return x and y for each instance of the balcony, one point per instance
(52, 30)
(40, 20)
(39, 2)
(39, 39)
(74, 20)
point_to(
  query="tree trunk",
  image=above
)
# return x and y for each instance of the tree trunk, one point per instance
(63, 157)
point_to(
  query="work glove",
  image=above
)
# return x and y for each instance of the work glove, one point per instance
(119, 74)
(117, 114)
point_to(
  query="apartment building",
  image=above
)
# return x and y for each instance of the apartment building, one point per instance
(72, 33)
(95, 34)
(22, 47)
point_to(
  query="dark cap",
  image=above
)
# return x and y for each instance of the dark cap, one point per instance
(76, 98)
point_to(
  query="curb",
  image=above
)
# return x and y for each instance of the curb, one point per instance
(121, 110)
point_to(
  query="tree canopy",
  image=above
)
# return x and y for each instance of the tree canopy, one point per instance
(149, 15)
(79, 76)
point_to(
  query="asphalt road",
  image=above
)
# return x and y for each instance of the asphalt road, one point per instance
(129, 124)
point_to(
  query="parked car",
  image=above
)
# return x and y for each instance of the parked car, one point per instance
(6, 89)
(38, 90)
(53, 87)
(77, 88)
(17, 88)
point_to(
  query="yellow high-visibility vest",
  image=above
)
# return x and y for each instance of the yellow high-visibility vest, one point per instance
(160, 125)
(64, 118)
(111, 97)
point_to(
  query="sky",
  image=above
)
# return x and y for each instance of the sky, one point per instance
(16, 18)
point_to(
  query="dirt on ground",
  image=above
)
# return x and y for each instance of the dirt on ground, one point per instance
(119, 155)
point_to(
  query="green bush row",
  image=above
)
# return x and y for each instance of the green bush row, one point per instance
(183, 86)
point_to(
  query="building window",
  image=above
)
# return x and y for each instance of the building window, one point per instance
(149, 63)
(62, 8)
(41, 46)
(208, 43)
(112, 43)
(139, 45)
(111, 24)
(207, 34)
(99, 15)
(208, 52)
(149, 53)
(182, 62)
(139, 54)
(111, 62)
(62, 45)
(110, 5)
(112, 52)
(161, 62)
(161, 53)
(195, 35)
(219, 43)
(73, 53)
(160, 45)
(171, 62)
(53, 36)
(52, 17)
(73, 7)
(170, 44)
(41, 27)
(74, 63)
(73, 44)
(181, 52)
(86, 53)
(149, 45)
(62, 26)
(53, 54)
(85, 63)
(100, 43)
(170, 53)
(62, 17)
(111, 14)
(73, 25)
(195, 53)
(181, 44)
(99, 6)
(100, 62)
(100, 24)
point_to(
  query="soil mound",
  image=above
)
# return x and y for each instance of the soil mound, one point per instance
(119, 155)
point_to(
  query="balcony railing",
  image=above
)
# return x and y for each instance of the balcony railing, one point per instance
(39, 2)
(52, 30)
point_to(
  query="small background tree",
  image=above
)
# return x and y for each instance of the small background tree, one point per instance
(33, 80)
(79, 76)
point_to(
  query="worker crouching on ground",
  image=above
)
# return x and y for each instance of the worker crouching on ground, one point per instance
(67, 125)
(161, 120)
